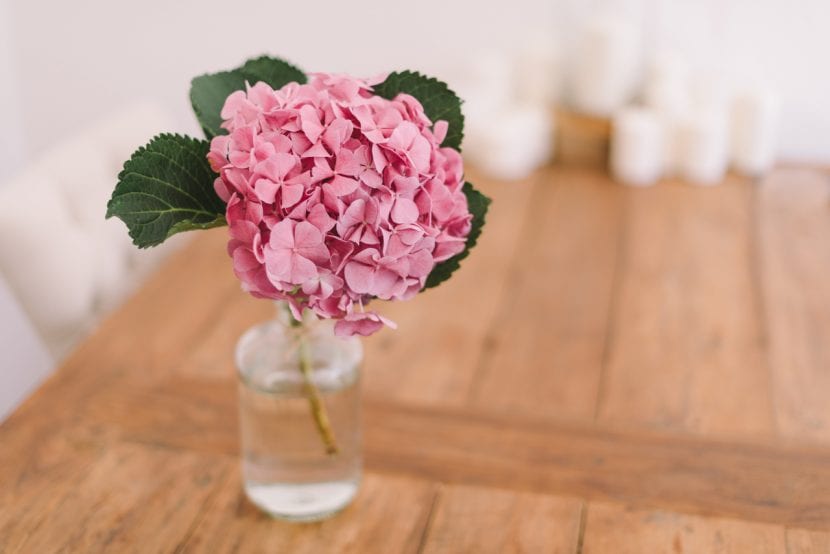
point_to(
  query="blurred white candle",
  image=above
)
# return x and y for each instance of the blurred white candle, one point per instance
(605, 70)
(702, 147)
(666, 91)
(538, 72)
(708, 92)
(754, 131)
(637, 146)
(514, 142)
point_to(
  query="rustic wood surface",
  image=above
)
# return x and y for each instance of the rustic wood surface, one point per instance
(613, 370)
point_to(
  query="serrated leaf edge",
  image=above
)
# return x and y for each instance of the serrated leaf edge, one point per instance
(472, 239)
(407, 73)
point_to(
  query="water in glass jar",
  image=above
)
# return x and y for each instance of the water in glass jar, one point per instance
(286, 469)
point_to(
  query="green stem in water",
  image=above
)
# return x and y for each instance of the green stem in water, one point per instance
(315, 400)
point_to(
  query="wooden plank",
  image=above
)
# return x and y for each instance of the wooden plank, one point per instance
(764, 481)
(133, 497)
(32, 479)
(213, 356)
(184, 413)
(433, 356)
(611, 528)
(545, 348)
(801, 541)
(685, 350)
(389, 515)
(481, 520)
(794, 233)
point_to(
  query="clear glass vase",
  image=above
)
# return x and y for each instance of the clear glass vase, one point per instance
(299, 406)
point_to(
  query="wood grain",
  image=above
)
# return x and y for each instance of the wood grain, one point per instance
(677, 472)
(544, 351)
(477, 520)
(800, 541)
(133, 499)
(34, 479)
(685, 348)
(794, 257)
(623, 530)
(389, 515)
(767, 482)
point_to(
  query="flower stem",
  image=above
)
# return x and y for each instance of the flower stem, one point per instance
(315, 400)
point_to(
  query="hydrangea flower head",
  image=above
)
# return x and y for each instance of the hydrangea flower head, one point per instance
(336, 196)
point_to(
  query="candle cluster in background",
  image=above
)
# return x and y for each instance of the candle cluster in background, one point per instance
(650, 114)
(507, 107)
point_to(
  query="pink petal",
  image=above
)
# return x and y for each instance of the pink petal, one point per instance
(233, 104)
(407, 139)
(221, 189)
(359, 277)
(243, 231)
(340, 251)
(291, 194)
(277, 166)
(310, 121)
(341, 186)
(302, 269)
(321, 170)
(347, 163)
(440, 130)
(363, 327)
(371, 178)
(308, 241)
(337, 133)
(316, 151)
(384, 284)
(319, 217)
(420, 264)
(307, 235)
(266, 190)
(352, 216)
(278, 265)
(282, 235)
(244, 260)
(404, 211)
(361, 324)
(379, 158)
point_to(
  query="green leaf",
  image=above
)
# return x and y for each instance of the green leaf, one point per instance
(478, 205)
(166, 187)
(209, 92)
(207, 96)
(274, 71)
(438, 100)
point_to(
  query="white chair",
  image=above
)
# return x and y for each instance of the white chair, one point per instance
(63, 261)
(25, 361)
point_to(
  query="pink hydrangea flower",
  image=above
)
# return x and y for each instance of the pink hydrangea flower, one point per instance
(336, 196)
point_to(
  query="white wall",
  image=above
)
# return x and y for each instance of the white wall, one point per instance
(78, 59)
(12, 139)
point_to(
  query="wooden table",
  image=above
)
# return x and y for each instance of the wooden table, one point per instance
(613, 370)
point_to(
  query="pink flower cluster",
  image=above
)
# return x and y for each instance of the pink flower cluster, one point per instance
(336, 196)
